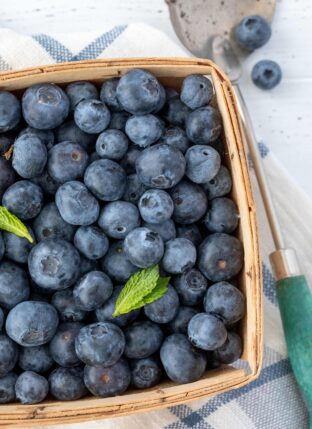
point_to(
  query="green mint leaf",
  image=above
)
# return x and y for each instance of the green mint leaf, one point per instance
(137, 287)
(9, 222)
(158, 291)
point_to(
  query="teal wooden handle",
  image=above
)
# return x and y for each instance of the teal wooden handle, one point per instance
(295, 302)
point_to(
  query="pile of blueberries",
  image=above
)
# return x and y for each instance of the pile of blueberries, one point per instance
(109, 182)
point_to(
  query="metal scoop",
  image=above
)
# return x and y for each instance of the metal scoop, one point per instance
(205, 27)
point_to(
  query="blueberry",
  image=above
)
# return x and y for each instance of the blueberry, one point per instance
(70, 132)
(144, 247)
(202, 163)
(32, 323)
(1, 318)
(108, 94)
(164, 309)
(10, 111)
(6, 141)
(145, 372)
(196, 91)
(66, 384)
(7, 175)
(220, 185)
(118, 218)
(222, 216)
(31, 388)
(191, 232)
(220, 257)
(7, 388)
(144, 130)
(54, 264)
(112, 144)
(37, 359)
(107, 381)
(105, 313)
(116, 263)
(191, 287)
(92, 116)
(79, 91)
(179, 256)
(14, 285)
(17, 248)
(176, 112)
(50, 224)
(231, 350)
(129, 160)
(45, 106)
(252, 32)
(62, 345)
(160, 166)
(139, 92)
(143, 339)
(182, 362)
(190, 202)
(166, 229)
(92, 290)
(226, 301)
(8, 354)
(178, 325)
(203, 125)
(87, 265)
(106, 180)
(67, 161)
(134, 189)
(91, 242)
(156, 206)
(176, 137)
(24, 199)
(101, 343)
(266, 74)
(46, 183)
(170, 92)
(76, 204)
(46, 136)
(68, 310)
(118, 120)
(206, 331)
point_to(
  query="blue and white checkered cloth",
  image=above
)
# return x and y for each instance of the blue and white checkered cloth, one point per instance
(273, 400)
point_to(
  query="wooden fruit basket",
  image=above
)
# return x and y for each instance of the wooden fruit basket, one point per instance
(170, 71)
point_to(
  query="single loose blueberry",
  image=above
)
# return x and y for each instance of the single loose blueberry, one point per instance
(24, 199)
(196, 91)
(191, 287)
(29, 156)
(134, 189)
(128, 161)
(220, 257)
(156, 206)
(106, 179)
(166, 229)
(17, 248)
(144, 130)
(37, 359)
(266, 74)
(91, 242)
(117, 264)
(231, 350)
(108, 94)
(175, 112)
(164, 309)
(101, 343)
(143, 339)
(107, 381)
(222, 216)
(76, 204)
(14, 285)
(92, 116)
(179, 324)
(226, 301)
(202, 163)
(144, 247)
(176, 137)
(68, 310)
(46, 136)
(182, 362)
(145, 372)
(112, 144)
(7, 388)
(191, 232)
(139, 92)
(70, 132)
(206, 331)
(92, 290)
(62, 345)
(118, 218)
(7, 175)
(54, 264)
(66, 384)
(118, 120)
(8, 355)
(10, 111)
(79, 91)
(46, 183)
(252, 32)
(203, 125)
(31, 388)
(45, 106)
(190, 202)
(32, 323)
(179, 256)
(220, 185)
(160, 166)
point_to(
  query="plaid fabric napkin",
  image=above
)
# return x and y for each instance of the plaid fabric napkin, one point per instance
(273, 400)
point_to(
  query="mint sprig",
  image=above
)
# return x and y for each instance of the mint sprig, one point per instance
(142, 288)
(9, 222)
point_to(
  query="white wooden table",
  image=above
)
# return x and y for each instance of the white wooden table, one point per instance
(282, 117)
